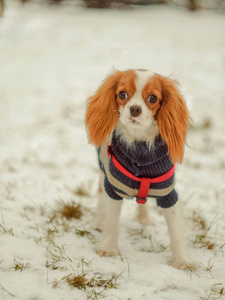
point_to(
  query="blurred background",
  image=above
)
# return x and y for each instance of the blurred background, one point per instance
(55, 53)
(53, 56)
(189, 4)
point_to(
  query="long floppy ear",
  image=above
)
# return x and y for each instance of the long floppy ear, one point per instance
(173, 119)
(102, 110)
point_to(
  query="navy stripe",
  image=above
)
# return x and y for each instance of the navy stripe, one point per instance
(141, 162)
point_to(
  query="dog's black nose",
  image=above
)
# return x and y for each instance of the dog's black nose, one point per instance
(135, 110)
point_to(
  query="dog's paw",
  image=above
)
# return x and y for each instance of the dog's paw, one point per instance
(107, 253)
(187, 264)
(106, 250)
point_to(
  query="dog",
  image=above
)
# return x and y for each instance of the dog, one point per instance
(138, 120)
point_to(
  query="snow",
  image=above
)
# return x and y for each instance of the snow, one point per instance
(52, 59)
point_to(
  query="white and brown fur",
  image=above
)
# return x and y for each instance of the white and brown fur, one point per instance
(168, 116)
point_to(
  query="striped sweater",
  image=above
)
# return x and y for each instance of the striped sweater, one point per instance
(141, 162)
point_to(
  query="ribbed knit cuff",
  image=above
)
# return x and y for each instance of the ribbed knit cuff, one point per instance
(168, 200)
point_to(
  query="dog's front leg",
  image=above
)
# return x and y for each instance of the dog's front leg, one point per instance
(101, 209)
(181, 259)
(108, 245)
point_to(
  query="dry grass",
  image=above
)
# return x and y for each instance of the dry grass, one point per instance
(6, 230)
(154, 244)
(61, 219)
(81, 191)
(199, 221)
(202, 238)
(72, 211)
(82, 282)
(206, 123)
(29, 208)
(18, 266)
(82, 232)
(65, 218)
(64, 213)
(86, 233)
(216, 292)
(208, 244)
(78, 281)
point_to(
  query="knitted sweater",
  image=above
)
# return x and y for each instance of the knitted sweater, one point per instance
(141, 162)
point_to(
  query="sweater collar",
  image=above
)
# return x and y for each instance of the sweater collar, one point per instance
(139, 152)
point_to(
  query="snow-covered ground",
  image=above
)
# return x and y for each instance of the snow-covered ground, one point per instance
(51, 60)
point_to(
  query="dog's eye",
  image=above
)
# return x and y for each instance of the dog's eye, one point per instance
(152, 99)
(123, 95)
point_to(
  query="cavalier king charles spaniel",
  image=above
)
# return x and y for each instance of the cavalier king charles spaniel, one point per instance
(138, 121)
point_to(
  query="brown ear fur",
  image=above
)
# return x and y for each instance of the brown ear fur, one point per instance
(102, 110)
(173, 120)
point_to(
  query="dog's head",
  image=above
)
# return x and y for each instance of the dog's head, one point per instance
(142, 104)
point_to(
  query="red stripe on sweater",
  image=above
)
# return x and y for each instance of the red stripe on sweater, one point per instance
(145, 182)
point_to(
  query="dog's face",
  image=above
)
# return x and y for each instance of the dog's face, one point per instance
(140, 101)
(139, 97)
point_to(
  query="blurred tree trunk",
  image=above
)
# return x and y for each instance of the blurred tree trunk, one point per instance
(1, 8)
(101, 3)
(193, 5)
(119, 3)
